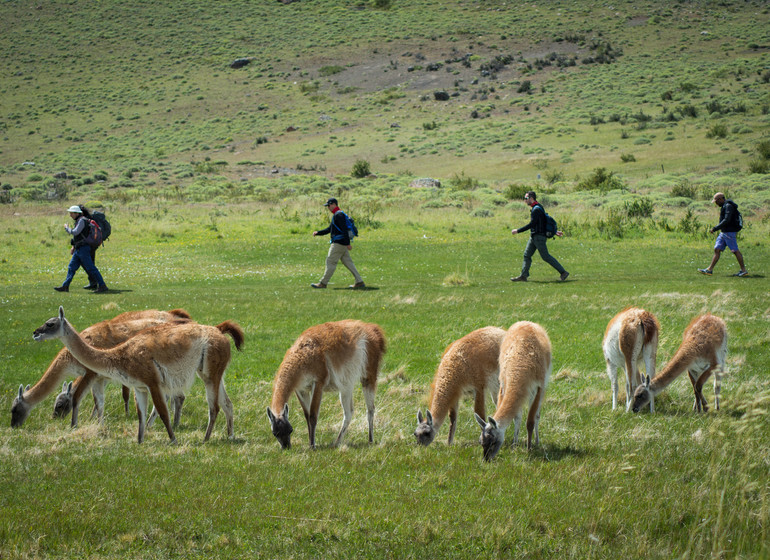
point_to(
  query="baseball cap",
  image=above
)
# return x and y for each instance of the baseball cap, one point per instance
(331, 202)
(718, 195)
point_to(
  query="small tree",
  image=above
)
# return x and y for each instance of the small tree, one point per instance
(361, 169)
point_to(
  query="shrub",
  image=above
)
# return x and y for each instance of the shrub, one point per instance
(613, 227)
(600, 180)
(717, 130)
(763, 149)
(627, 158)
(329, 70)
(639, 208)
(429, 125)
(525, 87)
(684, 189)
(759, 166)
(461, 182)
(382, 4)
(552, 176)
(689, 223)
(515, 191)
(361, 168)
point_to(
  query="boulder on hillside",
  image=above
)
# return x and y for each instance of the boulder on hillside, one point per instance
(441, 96)
(425, 183)
(240, 62)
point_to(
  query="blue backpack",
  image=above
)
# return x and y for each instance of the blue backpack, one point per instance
(351, 225)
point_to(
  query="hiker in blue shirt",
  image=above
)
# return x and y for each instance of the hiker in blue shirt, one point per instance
(81, 252)
(340, 247)
(537, 240)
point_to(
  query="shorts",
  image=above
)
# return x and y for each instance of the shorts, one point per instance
(726, 239)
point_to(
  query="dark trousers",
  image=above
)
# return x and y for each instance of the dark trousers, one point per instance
(82, 257)
(538, 243)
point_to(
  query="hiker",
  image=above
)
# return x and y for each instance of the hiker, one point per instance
(340, 247)
(81, 251)
(537, 240)
(730, 223)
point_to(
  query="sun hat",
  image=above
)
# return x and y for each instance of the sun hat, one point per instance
(331, 202)
(75, 208)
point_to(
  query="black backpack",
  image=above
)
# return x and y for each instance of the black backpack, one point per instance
(104, 225)
(550, 224)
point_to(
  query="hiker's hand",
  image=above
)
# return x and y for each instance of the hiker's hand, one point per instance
(559, 234)
(514, 231)
(315, 233)
(350, 247)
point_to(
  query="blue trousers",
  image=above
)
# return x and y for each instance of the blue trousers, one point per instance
(82, 257)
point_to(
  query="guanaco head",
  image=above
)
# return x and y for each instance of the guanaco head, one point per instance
(281, 427)
(425, 432)
(63, 403)
(20, 408)
(492, 437)
(52, 328)
(642, 395)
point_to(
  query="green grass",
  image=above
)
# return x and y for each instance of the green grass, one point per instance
(603, 484)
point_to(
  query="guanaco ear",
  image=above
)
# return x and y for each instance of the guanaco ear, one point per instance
(480, 420)
(21, 392)
(419, 416)
(285, 412)
(647, 381)
(61, 313)
(64, 387)
(27, 389)
(429, 417)
(69, 388)
(270, 416)
(493, 422)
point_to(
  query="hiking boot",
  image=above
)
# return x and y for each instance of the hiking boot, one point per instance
(101, 289)
(519, 279)
(742, 273)
(90, 287)
(705, 271)
(563, 276)
(62, 288)
(357, 286)
(319, 285)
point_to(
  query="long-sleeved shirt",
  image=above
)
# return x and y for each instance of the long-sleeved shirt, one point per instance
(536, 221)
(338, 228)
(80, 231)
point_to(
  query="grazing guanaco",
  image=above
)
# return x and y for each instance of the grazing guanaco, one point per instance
(702, 353)
(160, 361)
(525, 367)
(327, 357)
(631, 336)
(104, 334)
(470, 362)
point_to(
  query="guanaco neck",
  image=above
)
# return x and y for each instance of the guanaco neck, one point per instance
(673, 369)
(283, 386)
(62, 363)
(90, 357)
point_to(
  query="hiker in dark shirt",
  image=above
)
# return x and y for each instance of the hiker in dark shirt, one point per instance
(728, 227)
(81, 252)
(340, 247)
(537, 240)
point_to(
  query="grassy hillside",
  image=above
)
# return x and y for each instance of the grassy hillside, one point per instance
(142, 94)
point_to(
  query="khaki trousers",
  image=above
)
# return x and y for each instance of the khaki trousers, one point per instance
(339, 252)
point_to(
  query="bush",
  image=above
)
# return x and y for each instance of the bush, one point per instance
(429, 125)
(329, 70)
(463, 183)
(689, 223)
(361, 169)
(639, 208)
(382, 4)
(763, 149)
(627, 158)
(760, 166)
(717, 130)
(684, 189)
(552, 176)
(516, 191)
(525, 87)
(600, 180)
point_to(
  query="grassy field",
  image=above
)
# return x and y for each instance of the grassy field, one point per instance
(624, 117)
(603, 484)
